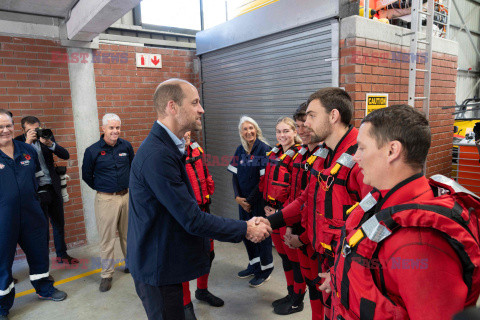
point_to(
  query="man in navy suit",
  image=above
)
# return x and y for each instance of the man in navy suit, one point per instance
(50, 189)
(168, 234)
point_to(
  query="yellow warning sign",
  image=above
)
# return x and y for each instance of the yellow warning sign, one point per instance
(376, 101)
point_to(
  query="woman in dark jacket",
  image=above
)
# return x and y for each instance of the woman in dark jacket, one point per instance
(247, 166)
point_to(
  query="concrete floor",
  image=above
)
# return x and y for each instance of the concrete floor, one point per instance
(85, 301)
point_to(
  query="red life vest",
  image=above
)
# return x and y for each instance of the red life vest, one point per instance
(300, 178)
(454, 212)
(275, 184)
(200, 179)
(329, 194)
(299, 174)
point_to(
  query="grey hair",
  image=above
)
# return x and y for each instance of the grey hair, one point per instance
(6, 113)
(110, 117)
(260, 136)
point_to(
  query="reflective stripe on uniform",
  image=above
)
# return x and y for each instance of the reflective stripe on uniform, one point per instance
(8, 290)
(262, 172)
(232, 169)
(268, 266)
(39, 174)
(290, 153)
(368, 202)
(322, 153)
(255, 260)
(346, 160)
(452, 183)
(39, 276)
(374, 230)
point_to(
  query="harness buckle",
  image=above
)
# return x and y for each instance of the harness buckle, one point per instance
(325, 184)
(346, 250)
(306, 166)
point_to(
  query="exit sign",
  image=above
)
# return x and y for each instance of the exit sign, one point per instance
(148, 60)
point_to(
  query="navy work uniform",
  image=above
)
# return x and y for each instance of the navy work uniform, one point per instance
(22, 221)
(247, 170)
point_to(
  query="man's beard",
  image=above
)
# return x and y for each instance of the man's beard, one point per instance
(315, 138)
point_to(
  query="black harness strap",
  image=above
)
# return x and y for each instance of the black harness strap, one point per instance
(367, 309)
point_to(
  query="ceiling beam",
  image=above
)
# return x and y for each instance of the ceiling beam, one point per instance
(28, 30)
(89, 18)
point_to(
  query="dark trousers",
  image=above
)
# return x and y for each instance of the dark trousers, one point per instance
(163, 302)
(259, 254)
(29, 230)
(52, 206)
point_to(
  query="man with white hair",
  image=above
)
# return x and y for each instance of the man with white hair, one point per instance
(106, 169)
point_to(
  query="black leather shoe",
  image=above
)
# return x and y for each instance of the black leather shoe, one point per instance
(126, 270)
(106, 284)
(208, 297)
(15, 281)
(67, 259)
(189, 313)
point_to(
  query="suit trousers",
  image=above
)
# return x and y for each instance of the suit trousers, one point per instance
(163, 302)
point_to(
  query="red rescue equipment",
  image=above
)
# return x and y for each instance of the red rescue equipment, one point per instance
(275, 183)
(454, 212)
(200, 179)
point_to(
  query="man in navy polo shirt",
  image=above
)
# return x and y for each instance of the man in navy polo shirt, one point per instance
(21, 220)
(106, 169)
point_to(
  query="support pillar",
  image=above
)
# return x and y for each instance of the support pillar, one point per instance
(85, 117)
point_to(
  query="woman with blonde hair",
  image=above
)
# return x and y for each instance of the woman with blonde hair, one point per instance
(275, 187)
(247, 166)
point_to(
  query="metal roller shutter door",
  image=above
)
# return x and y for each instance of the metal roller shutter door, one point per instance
(265, 78)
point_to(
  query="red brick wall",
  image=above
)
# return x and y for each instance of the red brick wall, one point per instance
(369, 66)
(34, 81)
(32, 84)
(126, 90)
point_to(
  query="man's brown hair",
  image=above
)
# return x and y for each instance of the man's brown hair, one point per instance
(301, 112)
(404, 124)
(335, 98)
(166, 91)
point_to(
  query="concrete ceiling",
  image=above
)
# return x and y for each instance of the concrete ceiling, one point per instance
(85, 19)
(51, 8)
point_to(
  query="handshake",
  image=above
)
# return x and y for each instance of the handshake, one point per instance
(258, 229)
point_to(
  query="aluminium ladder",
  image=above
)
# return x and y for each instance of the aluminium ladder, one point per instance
(416, 24)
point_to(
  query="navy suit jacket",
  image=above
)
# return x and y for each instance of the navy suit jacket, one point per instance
(60, 152)
(168, 234)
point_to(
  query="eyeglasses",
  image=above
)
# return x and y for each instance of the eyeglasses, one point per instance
(8, 126)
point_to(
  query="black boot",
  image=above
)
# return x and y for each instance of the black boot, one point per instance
(293, 305)
(284, 299)
(189, 313)
(208, 297)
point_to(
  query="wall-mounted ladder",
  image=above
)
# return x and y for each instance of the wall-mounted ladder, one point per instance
(417, 14)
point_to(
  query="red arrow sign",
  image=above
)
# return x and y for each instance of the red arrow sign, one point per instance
(155, 61)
